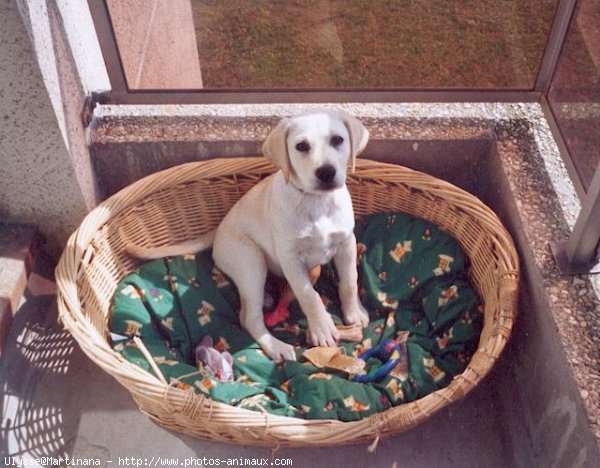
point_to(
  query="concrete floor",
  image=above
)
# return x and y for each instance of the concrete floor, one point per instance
(57, 402)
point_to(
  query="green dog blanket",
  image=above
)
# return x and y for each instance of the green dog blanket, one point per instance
(412, 279)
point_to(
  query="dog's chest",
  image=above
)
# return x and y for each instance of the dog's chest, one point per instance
(320, 240)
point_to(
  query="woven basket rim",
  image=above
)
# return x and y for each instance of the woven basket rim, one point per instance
(97, 348)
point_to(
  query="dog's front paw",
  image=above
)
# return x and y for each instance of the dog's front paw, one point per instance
(279, 351)
(322, 331)
(356, 315)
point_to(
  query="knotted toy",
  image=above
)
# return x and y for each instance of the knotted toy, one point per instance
(389, 350)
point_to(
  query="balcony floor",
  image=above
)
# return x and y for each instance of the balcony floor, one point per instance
(539, 406)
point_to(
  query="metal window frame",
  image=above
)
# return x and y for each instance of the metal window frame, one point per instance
(577, 254)
(580, 253)
(122, 94)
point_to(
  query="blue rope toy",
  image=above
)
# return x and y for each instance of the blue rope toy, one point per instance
(387, 350)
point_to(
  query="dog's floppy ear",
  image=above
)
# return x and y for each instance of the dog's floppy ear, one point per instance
(275, 148)
(359, 137)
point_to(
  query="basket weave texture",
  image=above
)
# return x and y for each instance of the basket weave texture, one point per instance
(180, 203)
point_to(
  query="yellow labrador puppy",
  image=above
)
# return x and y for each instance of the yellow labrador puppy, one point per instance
(290, 222)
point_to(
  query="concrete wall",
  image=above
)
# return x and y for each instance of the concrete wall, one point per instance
(49, 62)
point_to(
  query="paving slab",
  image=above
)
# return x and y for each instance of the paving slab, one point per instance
(18, 244)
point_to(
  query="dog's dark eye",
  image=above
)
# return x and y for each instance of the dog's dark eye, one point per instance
(336, 140)
(303, 147)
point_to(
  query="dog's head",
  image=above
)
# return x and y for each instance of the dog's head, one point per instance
(314, 150)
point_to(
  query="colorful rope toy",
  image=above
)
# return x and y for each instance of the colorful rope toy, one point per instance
(387, 350)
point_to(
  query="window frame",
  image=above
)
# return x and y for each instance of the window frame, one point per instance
(122, 94)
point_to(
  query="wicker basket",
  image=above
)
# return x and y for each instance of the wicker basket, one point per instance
(180, 203)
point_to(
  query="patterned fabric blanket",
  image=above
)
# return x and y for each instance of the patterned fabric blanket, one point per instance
(412, 279)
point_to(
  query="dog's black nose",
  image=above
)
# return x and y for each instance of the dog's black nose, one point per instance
(325, 173)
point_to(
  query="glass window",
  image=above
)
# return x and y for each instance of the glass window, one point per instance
(574, 95)
(268, 44)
